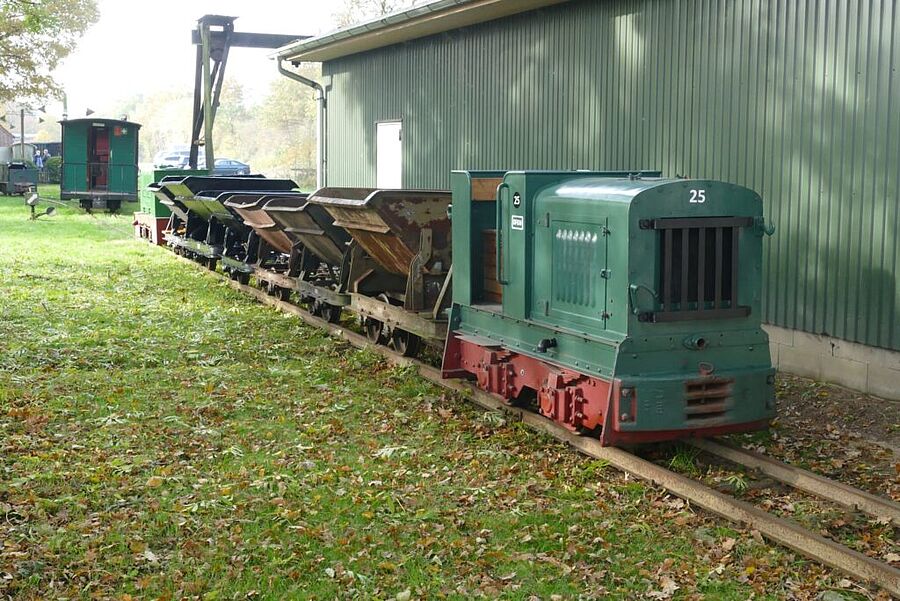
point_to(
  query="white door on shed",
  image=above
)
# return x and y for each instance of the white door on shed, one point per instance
(389, 154)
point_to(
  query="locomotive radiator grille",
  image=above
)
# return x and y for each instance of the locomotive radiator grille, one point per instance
(576, 252)
(698, 268)
(707, 399)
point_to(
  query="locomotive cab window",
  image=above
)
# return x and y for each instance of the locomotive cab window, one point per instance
(698, 268)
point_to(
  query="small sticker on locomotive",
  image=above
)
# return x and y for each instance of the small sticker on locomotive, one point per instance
(517, 199)
(518, 222)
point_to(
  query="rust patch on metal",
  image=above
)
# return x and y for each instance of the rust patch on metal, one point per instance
(387, 224)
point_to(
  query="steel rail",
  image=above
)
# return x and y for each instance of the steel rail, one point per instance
(837, 492)
(780, 530)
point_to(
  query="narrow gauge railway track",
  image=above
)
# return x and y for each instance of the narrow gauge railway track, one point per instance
(806, 481)
(783, 531)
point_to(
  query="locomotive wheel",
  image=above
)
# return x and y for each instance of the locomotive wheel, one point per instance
(374, 330)
(282, 294)
(243, 278)
(211, 264)
(406, 343)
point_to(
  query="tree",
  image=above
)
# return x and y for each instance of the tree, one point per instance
(357, 11)
(35, 35)
(288, 118)
(165, 118)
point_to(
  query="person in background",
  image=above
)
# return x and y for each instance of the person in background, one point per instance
(44, 156)
(38, 161)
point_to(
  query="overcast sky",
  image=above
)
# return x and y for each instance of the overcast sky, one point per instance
(144, 45)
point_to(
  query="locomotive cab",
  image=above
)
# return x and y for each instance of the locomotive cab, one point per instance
(626, 305)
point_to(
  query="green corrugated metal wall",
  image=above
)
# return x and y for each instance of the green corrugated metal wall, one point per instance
(799, 100)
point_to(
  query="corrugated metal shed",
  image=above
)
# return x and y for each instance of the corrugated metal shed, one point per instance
(798, 100)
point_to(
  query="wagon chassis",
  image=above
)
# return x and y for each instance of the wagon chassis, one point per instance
(186, 243)
(388, 317)
(324, 300)
(780, 530)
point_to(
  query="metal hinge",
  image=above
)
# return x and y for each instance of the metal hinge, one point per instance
(545, 304)
(604, 231)
(605, 315)
(605, 274)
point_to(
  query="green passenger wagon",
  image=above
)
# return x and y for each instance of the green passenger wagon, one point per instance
(99, 162)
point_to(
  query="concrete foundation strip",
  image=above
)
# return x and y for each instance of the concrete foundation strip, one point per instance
(780, 530)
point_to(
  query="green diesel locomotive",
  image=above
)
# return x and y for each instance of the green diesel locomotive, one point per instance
(626, 306)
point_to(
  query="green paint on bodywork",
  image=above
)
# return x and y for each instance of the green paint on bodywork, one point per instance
(572, 255)
(74, 169)
(121, 169)
(150, 204)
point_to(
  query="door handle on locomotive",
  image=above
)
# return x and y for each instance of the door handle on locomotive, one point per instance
(500, 272)
(633, 289)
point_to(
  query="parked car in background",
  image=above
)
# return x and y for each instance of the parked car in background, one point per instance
(179, 159)
(176, 159)
(230, 167)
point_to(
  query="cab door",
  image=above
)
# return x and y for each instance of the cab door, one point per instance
(570, 279)
(99, 158)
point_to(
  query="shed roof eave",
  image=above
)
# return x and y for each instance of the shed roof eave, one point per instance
(418, 22)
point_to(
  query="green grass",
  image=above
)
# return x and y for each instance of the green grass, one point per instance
(162, 436)
(49, 191)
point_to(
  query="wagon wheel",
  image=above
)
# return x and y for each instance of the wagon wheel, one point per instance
(211, 263)
(328, 312)
(406, 343)
(374, 330)
(282, 293)
(243, 278)
(332, 313)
